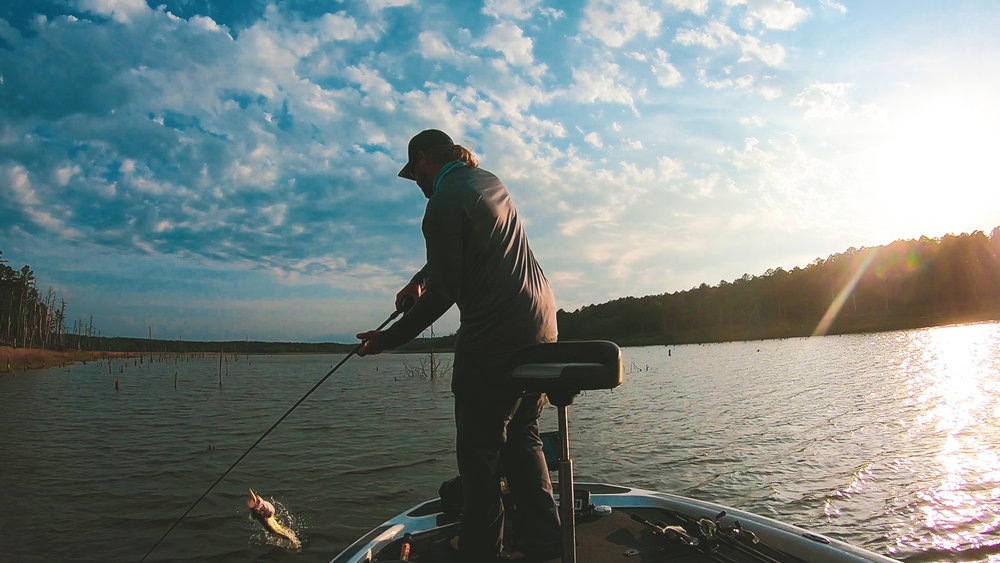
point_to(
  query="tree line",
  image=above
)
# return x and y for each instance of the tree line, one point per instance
(31, 319)
(28, 318)
(905, 284)
(230, 347)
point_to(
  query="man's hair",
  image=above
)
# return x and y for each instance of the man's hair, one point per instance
(446, 153)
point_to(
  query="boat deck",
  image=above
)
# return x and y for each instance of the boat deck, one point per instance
(614, 537)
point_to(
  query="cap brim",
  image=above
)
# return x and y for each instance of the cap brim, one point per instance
(407, 172)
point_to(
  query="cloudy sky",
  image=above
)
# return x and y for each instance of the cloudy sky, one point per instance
(223, 169)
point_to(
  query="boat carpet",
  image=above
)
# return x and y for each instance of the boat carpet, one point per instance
(615, 537)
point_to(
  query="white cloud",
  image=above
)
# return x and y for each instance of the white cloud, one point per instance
(514, 9)
(18, 181)
(615, 22)
(666, 73)
(121, 11)
(566, 279)
(770, 93)
(433, 45)
(64, 174)
(599, 85)
(715, 35)
(586, 220)
(342, 27)
(594, 140)
(379, 5)
(824, 100)
(508, 39)
(745, 82)
(770, 54)
(777, 14)
(714, 83)
(698, 188)
(276, 214)
(433, 106)
(379, 91)
(552, 13)
(695, 6)
(793, 188)
(669, 168)
(10, 34)
(833, 5)
(205, 24)
(20, 186)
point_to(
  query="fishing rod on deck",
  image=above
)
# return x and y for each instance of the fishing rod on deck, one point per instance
(404, 306)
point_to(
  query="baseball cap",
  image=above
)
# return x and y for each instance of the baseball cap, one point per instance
(429, 138)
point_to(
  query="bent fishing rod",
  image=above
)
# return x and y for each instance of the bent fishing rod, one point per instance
(405, 305)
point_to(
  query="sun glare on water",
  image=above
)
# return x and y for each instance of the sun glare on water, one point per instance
(955, 384)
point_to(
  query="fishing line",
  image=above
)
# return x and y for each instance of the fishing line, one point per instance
(268, 431)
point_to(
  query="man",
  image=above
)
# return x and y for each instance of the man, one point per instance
(478, 258)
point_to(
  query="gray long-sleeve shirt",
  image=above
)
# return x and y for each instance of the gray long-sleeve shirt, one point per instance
(478, 258)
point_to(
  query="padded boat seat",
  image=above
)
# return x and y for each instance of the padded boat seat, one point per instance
(567, 367)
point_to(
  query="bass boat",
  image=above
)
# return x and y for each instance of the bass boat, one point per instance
(605, 522)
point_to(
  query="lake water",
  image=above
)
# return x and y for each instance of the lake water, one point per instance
(889, 441)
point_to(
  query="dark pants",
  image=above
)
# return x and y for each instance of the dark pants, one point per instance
(498, 435)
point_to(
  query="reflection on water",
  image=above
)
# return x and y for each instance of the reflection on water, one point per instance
(953, 379)
(889, 441)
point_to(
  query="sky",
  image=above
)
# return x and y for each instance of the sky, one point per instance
(226, 169)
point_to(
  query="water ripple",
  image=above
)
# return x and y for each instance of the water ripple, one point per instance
(884, 440)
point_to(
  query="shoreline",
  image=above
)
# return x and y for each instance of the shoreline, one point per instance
(20, 360)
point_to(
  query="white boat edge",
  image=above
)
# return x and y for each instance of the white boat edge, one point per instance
(807, 545)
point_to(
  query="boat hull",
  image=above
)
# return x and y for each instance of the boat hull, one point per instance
(625, 524)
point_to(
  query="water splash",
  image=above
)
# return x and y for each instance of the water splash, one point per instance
(286, 519)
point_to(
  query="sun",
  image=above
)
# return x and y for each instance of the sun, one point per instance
(932, 163)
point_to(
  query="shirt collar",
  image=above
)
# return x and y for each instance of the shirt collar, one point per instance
(445, 170)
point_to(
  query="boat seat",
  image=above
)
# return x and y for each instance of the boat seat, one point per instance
(561, 370)
(567, 367)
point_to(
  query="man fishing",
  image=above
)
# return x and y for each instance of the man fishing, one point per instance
(478, 258)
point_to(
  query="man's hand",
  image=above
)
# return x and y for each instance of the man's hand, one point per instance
(370, 343)
(412, 291)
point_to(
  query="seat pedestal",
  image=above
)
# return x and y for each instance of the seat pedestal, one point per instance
(561, 370)
(567, 502)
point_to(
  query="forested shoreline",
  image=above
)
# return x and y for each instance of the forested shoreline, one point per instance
(28, 318)
(906, 284)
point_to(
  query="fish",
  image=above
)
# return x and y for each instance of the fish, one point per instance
(263, 512)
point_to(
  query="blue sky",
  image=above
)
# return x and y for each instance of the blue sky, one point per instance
(227, 169)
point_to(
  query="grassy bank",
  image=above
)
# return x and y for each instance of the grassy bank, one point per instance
(15, 360)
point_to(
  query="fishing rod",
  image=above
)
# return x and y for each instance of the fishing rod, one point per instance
(405, 305)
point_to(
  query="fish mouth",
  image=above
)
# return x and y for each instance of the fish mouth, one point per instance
(258, 506)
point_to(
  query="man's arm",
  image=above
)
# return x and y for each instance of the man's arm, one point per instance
(425, 311)
(412, 290)
(442, 228)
